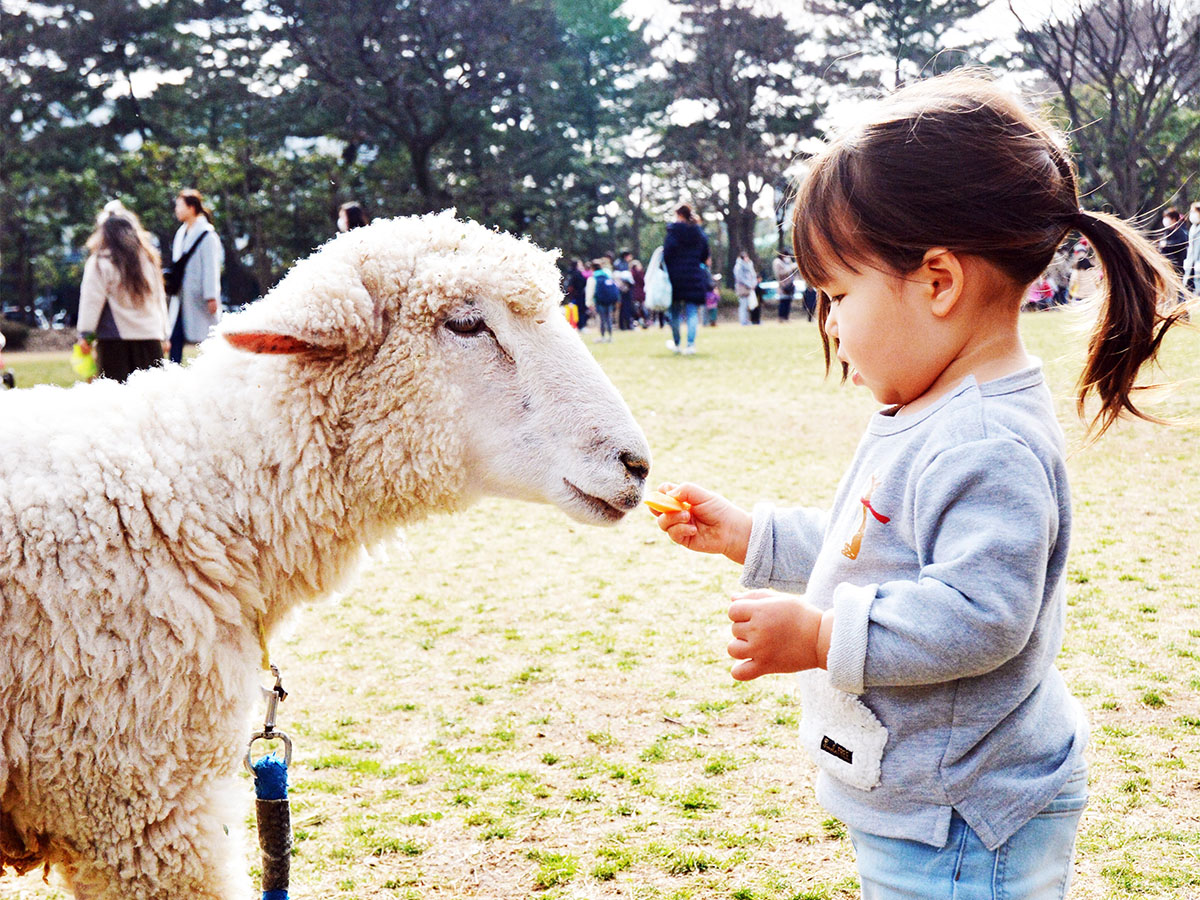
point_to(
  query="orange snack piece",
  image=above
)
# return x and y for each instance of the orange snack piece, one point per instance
(660, 502)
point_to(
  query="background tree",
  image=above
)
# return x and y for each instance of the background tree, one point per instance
(741, 74)
(1127, 74)
(913, 36)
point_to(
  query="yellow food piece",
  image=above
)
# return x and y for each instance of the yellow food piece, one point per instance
(660, 502)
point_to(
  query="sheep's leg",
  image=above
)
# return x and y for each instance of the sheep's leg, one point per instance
(185, 856)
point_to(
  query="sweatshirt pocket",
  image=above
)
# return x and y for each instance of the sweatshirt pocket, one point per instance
(837, 730)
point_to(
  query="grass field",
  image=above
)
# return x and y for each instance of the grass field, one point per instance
(514, 705)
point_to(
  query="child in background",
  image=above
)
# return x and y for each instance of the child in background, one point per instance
(602, 295)
(933, 600)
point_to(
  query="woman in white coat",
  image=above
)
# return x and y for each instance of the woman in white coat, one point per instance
(196, 308)
(122, 309)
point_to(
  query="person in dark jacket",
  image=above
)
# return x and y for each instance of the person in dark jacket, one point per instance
(576, 289)
(1174, 242)
(684, 252)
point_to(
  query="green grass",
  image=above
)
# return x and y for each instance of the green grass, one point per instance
(515, 705)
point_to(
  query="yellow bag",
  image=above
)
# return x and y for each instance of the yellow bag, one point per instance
(84, 363)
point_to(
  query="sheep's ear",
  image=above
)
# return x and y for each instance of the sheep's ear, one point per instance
(264, 342)
(321, 305)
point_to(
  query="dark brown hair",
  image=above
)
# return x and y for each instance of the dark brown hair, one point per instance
(685, 211)
(956, 162)
(120, 238)
(195, 200)
(356, 216)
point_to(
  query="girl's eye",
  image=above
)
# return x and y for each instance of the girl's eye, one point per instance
(836, 298)
(468, 326)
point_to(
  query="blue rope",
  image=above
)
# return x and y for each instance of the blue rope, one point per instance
(270, 777)
(270, 784)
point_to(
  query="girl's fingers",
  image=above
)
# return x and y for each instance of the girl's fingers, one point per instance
(746, 670)
(738, 649)
(669, 520)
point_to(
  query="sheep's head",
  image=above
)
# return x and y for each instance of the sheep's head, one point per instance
(455, 373)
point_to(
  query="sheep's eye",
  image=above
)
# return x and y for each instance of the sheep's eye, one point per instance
(468, 326)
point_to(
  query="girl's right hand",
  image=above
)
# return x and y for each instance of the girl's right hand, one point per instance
(711, 524)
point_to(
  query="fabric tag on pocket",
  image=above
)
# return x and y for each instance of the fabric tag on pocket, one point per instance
(837, 730)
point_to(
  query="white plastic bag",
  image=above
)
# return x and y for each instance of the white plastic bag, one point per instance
(658, 284)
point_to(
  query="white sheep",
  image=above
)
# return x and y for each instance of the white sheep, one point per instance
(151, 533)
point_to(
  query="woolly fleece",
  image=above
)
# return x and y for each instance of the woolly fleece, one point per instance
(404, 368)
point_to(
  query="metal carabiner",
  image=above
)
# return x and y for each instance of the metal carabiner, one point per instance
(273, 696)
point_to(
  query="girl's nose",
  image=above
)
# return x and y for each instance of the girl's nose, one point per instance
(831, 322)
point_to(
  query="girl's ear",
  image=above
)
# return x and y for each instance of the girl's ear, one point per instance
(942, 270)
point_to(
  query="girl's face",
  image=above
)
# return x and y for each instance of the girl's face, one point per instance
(343, 221)
(880, 325)
(183, 212)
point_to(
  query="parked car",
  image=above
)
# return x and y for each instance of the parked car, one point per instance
(33, 317)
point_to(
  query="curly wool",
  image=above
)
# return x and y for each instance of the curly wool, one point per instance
(147, 529)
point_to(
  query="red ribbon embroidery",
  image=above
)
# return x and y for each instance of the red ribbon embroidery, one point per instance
(880, 517)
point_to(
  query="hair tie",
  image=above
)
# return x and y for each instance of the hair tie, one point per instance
(1080, 217)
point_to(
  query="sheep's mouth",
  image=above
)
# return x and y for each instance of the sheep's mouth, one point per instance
(600, 508)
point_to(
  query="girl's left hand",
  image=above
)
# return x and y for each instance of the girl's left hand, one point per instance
(775, 632)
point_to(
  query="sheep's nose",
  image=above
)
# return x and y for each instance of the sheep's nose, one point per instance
(636, 464)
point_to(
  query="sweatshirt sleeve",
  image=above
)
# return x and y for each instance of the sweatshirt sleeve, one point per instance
(783, 547)
(986, 519)
(92, 293)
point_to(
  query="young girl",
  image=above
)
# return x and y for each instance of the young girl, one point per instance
(933, 602)
(122, 307)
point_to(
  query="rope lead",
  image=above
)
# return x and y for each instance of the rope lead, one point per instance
(271, 803)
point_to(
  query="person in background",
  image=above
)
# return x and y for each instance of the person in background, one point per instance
(623, 276)
(1174, 243)
(6, 377)
(603, 295)
(638, 272)
(1086, 278)
(684, 251)
(1191, 262)
(784, 271)
(350, 216)
(924, 610)
(195, 310)
(576, 289)
(122, 305)
(712, 297)
(810, 302)
(745, 280)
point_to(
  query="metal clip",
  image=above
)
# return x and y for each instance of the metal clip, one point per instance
(273, 696)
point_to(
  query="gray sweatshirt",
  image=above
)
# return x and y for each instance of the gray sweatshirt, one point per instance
(944, 555)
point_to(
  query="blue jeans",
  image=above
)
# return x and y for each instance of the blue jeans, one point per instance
(693, 319)
(605, 311)
(177, 340)
(1033, 864)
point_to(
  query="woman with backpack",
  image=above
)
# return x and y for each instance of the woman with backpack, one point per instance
(195, 307)
(603, 294)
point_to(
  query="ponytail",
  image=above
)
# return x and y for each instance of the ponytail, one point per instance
(1139, 284)
(195, 200)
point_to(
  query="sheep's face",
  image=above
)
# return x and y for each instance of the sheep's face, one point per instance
(464, 377)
